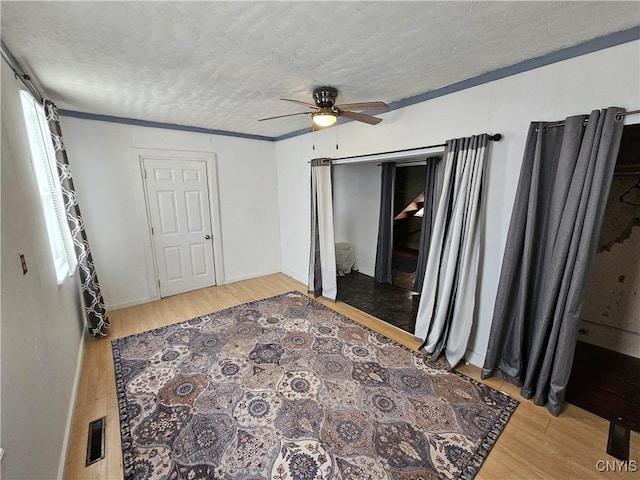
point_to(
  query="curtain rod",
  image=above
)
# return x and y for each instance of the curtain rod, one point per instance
(410, 163)
(18, 70)
(496, 137)
(619, 117)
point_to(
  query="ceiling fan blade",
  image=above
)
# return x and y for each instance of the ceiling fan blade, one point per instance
(360, 117)
(310, 105)
(364, 106)
(282, 116)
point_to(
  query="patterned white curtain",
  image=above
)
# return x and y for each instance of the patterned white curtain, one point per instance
(96, 313)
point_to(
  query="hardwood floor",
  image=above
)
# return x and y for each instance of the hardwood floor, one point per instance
(533, 445)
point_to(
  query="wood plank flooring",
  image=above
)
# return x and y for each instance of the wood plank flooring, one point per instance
(533, 445)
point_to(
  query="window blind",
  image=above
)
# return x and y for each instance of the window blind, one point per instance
(44, 166)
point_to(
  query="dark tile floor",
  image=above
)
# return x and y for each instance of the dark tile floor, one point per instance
(606, 383)
(390, 303)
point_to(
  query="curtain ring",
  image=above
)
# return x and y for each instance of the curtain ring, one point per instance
(619, 116)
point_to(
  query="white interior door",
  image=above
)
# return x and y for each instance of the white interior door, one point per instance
(178, 205)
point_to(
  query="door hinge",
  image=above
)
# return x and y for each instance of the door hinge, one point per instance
(152, 232)
(158, 283)
(145, 172)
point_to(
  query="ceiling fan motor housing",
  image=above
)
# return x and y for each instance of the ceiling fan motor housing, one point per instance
(326, 112)
(325, 96)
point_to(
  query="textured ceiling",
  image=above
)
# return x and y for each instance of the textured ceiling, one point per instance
(223, 65)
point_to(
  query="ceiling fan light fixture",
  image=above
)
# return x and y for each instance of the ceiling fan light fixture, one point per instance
(326, 111)
(324, 117)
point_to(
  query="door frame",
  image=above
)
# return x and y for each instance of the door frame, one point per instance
(214, 210)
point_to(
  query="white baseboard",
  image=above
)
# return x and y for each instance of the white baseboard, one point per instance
(226, 281)
(248, 277)
(474, 358)
(132, 303)
(72, 405)
(302, 278)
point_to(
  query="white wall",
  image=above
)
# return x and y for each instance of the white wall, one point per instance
(356, 198)
(42, 324)
(605, 78)
(105, 165)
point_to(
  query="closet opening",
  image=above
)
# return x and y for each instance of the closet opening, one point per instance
(408, 214)
(356, 205)
(605, 378)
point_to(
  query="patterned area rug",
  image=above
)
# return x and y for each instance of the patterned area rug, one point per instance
(287, 389)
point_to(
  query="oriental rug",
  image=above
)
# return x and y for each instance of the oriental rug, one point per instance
(287, 389)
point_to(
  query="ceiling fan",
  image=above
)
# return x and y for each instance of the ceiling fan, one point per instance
(326, 112)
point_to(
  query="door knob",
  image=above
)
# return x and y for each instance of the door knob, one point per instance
(207, 237)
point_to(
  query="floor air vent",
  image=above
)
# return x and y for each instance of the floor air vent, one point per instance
(618, 443)
(95, 441)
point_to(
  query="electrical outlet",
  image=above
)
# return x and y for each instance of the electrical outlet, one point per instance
(584, 332)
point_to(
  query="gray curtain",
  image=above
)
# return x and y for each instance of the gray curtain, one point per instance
(322, 258)
(427, 221)
(447, 303)
(555, 225)
(384, 252)
(96, 313)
